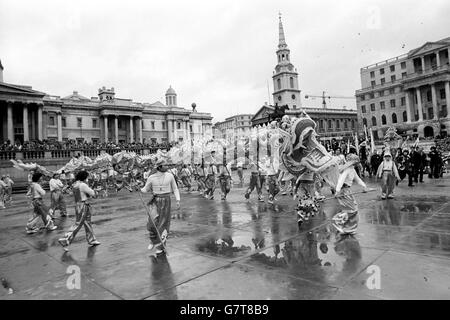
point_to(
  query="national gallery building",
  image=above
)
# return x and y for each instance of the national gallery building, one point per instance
(27, 114)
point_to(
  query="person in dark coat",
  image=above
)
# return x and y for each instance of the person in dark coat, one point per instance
(419, 159)
(435, 163)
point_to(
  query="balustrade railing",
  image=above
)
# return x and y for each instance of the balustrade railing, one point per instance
(7, 155)
(68, 154)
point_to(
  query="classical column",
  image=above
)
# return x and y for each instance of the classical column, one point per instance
(169, 130)
(40, 131)
(438, 60)
(116, 129)
(423, 63)
(419, 104)
(434, 101)
(139, 124)
(408, 107)
(32, 133)
(447, 95)
(59, 126)
(131, 130)
(26, 133)
(44, 124)
(105, 124)
(10, 123)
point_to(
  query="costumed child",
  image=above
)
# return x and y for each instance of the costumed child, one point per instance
(387, 171)
(83, 212)
(40, 210)
(346, 221)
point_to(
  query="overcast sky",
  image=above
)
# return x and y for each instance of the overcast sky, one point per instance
(218, 54)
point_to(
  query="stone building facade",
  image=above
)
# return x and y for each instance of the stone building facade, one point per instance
(235, 126)
(28, 114)
(410, 92)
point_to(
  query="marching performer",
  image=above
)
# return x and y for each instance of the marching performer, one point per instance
(200, 173)
(185, 177)
(346, 221)
(83, 212)
(210, 181)
(36, 194)
(57, 199)
(9, 183)
(240, 171)
(3, 190)
(255, 182)
(160, 185)
(224, 179)
(387, 171)
(272, 180)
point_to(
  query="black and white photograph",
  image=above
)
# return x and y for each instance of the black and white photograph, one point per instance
(227, 151)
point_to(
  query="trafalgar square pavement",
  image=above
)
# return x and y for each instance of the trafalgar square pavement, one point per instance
(238, 249)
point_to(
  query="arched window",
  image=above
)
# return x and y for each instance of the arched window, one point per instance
(345, 124)
(383, 119)
(374, 121)
(365, 122)
(279, 84)
(405, 117)
(394, 118)
(282, 57)
(291, 81)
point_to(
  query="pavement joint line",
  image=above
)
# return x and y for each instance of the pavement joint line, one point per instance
(405, 252)
(434, 212)
(363, 269)
(185, 281)
(86, 276)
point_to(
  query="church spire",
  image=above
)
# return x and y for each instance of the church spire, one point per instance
(282, 40)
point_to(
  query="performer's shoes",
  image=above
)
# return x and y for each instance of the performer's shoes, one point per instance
(247, 196)
(261, 199)
(63, 242)
(390, 196)
(31, 231)
(94, 243)
(383, 196)
(270, 201)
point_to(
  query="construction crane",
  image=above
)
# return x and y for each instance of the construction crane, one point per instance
(324, 97)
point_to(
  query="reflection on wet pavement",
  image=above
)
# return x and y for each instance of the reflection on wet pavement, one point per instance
(219, 247)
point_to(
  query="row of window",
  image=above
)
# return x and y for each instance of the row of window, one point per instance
(291, 83)
(337, 124)
(392, 69)
(392, 104)
(429, 98)
(381, 93)
(383, 80)
(383, 119)
(120, 123)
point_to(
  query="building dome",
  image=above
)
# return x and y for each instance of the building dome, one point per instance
(170, 91)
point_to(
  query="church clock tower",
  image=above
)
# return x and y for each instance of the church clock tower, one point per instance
(285, 76)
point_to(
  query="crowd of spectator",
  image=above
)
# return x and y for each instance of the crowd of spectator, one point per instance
(50, 145)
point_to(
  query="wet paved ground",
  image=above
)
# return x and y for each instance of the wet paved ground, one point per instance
(239, 250)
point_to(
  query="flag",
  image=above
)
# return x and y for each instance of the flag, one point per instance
(416, 143)
(357, 144)
(372, 142)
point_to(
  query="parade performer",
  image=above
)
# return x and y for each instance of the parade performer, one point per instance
(200, 172)
(240, 172)
(40, 209)
(305, 184)
(210, 182)
(255, 182)
(224, 179)
(346, 221)
(185, 177)
(57, 199)
(160, 185)
(272, 181)
(387, 171)
(83, 212)
(3, 191)
(9, 185)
